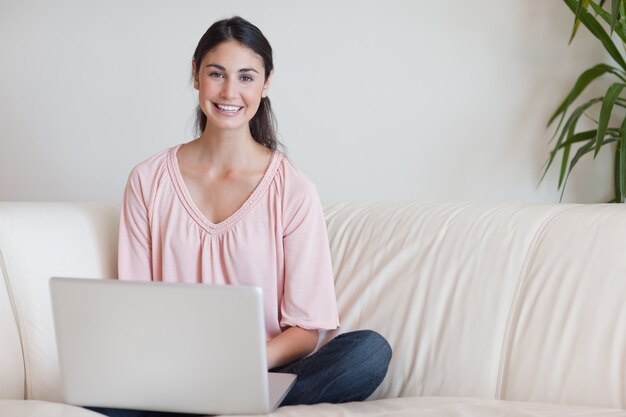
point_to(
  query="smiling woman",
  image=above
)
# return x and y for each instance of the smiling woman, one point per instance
(258, 53)
(229, 208)
(231, 84)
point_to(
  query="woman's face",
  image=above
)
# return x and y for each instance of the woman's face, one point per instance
(231, 82)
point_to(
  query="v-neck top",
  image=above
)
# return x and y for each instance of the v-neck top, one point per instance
(276, 240)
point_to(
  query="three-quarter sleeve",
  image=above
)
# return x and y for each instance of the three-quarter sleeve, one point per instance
(134, 245)
(309, 299)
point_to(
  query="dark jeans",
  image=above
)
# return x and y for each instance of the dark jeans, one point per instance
(348, 368)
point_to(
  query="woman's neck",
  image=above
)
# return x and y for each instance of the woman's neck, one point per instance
(226, 150)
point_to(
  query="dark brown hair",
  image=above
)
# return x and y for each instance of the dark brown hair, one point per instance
(263, 124)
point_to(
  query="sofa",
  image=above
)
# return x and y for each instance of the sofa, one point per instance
(491, 309)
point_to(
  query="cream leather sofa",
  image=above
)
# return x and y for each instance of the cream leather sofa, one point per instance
(492, 310)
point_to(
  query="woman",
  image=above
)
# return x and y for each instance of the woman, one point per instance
(228, 208)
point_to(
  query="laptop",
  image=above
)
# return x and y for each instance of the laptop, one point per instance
(186, 348)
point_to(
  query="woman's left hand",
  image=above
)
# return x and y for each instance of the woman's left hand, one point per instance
(292, 344)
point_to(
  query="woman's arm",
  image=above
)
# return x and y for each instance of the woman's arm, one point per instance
(294, 343)
(134, 245)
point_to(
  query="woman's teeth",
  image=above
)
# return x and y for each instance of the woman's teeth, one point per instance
(228, 108)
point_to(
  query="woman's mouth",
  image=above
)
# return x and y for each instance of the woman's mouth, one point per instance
(227, 109)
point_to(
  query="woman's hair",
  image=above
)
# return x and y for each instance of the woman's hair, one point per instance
(263, 124)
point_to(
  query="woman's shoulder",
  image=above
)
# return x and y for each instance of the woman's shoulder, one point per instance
(292, 178)
(153, 166)
(295, 187)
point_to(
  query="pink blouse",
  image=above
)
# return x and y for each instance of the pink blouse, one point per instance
(276, 240)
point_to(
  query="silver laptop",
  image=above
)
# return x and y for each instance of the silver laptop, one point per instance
(188, 348)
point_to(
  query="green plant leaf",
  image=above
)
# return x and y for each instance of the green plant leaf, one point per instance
(582, 82)
(579, 154)
(605, 112)
(616, 179)
(582, 137)
(572, 120)
(582, 4)
(606, 16)
(621, 168)
(588, 147)
(578, 137)
(596, 29)
(575, 116)
(620, 28)
(614, 13)
(565, 159)
(582, 151)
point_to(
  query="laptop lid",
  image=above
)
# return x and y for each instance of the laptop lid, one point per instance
(189, 348)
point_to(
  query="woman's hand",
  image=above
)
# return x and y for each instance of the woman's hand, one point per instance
(294, 343)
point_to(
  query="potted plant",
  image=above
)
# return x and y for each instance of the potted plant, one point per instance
(602, 23)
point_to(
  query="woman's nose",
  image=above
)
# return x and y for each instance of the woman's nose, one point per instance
(229, 89)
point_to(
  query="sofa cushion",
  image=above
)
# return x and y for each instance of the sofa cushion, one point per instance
(444, 407)
(22, 408)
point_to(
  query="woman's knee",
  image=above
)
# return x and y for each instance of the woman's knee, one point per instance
(380, 349)
(372, 342)
(348, 368)
(370, 350)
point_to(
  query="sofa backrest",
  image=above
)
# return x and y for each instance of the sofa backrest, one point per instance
(515, 302)
(518, 302)
(37, 241)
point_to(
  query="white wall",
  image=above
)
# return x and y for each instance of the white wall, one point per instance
(400, 99)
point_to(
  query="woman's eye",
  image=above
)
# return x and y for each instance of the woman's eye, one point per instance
(216, 74)
(246, 78)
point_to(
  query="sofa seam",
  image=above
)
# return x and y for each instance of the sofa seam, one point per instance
(16, 315)
(514, 309)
